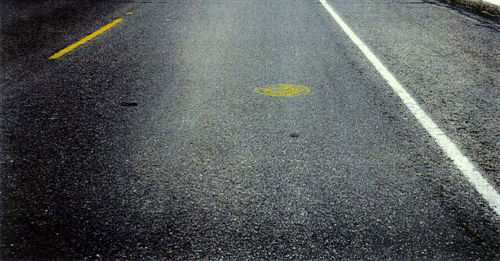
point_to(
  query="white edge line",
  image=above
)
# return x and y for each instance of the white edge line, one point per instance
(451, 150)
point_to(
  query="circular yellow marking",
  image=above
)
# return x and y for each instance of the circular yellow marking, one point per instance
(129, 13)
(288, 90)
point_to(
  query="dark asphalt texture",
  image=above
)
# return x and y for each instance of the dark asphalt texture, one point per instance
(149, 142)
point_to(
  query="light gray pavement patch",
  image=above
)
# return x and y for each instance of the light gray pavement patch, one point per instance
(449, 63)
(361, 181)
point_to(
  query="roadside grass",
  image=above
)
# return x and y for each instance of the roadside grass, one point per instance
(480, 8)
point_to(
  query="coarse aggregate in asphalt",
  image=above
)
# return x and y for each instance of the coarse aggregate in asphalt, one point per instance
(150, 142)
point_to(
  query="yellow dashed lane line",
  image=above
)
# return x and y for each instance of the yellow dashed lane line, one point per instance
(84, 40)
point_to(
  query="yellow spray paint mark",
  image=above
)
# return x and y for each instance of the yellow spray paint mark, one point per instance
(84, 40)
(287, 90)
(129, 13)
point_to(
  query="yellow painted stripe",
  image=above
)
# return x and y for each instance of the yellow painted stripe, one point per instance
(84, 40)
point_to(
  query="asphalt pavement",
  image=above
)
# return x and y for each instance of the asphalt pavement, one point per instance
(245, 130)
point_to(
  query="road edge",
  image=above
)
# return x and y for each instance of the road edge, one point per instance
(479, 7)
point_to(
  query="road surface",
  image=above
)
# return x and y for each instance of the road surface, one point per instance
(247, 130)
